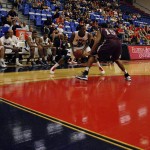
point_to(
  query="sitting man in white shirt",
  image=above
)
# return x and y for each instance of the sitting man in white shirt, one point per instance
(13, 37)
(9, 45)
(2, 51)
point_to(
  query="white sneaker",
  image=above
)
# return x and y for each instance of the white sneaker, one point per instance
(102, 72)
(19, 64)
(52, 70)
(3, 65)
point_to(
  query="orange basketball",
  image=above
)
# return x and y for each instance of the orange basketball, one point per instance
(78, 53)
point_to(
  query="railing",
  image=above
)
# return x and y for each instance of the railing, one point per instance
(6, 5)
(142, 6)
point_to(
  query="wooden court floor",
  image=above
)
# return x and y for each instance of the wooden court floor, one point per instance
(58, 112)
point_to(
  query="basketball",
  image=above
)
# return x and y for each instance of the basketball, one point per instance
(78, 53)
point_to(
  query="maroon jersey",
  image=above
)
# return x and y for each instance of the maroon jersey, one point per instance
(110, 46)
(108, 34)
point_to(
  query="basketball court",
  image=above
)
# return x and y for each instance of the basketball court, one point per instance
(40, 110)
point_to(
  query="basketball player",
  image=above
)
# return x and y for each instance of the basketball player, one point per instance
(33, 44)
(79, 40)
(2, 53)
(9, 45)
(48, 48)
(107, 45)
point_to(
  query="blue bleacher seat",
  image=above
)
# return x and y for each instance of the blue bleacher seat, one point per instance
(67, 28)
(37, 10)
(3, 13)
(53, 7)
(5, 29)
(67, 23)
(31, 15)
(38, 21)
(26, 10)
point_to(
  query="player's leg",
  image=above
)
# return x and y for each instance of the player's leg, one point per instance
(41, 54)
(121, 66)
(16, 50)
(88, 51)
(115, 58)
(31, 57)
(2, 53)
(45, 51)
(60, 62)
(53, 49)
(84, 75)
(99, 66)
(91, 60)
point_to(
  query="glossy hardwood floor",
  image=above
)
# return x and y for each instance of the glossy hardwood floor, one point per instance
(105, 112)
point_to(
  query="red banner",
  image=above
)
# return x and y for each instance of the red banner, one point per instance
(139, 52)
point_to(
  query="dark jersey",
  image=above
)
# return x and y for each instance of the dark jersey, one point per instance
(110, 46)
(107, 34)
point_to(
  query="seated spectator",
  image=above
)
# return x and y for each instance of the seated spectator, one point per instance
(2, 53)
(43, 5)
(16, 3)
(56, 14)
(25, 26)
(30, 29)
(58, 43)
(48, 21)
(53, 32)
(15, 26)
(7, 21)
(81, 23)
(36, 4)
(10, 46)
(46, 29)
(13, 37)
(135, 40)
(60, 28)
(60, 20)
(94, 26)
(33, 44)
(12, 13)
(120, 32)
(48, 48)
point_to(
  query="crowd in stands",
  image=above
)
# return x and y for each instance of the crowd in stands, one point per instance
(59, 18)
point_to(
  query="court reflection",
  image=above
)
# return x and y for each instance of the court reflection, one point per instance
(25, 131)
(106, 105)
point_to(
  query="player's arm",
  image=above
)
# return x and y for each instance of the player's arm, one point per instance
(11, 46)
(41, 42)
(96, 42)
(30, 43)
(71, 41)
(1, 45)
(37, 41)
(50, 44)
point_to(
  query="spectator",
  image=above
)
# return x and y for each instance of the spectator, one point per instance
(10, 46)
(81, 23)
(13, 14)
(60, 20)
(2, 53)
(15, 26)
(25, 26)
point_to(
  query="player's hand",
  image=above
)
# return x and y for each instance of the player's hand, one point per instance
(85, 54)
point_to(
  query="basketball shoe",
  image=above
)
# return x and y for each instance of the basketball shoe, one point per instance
(52, 70)
(83, 76)
(127, 77)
